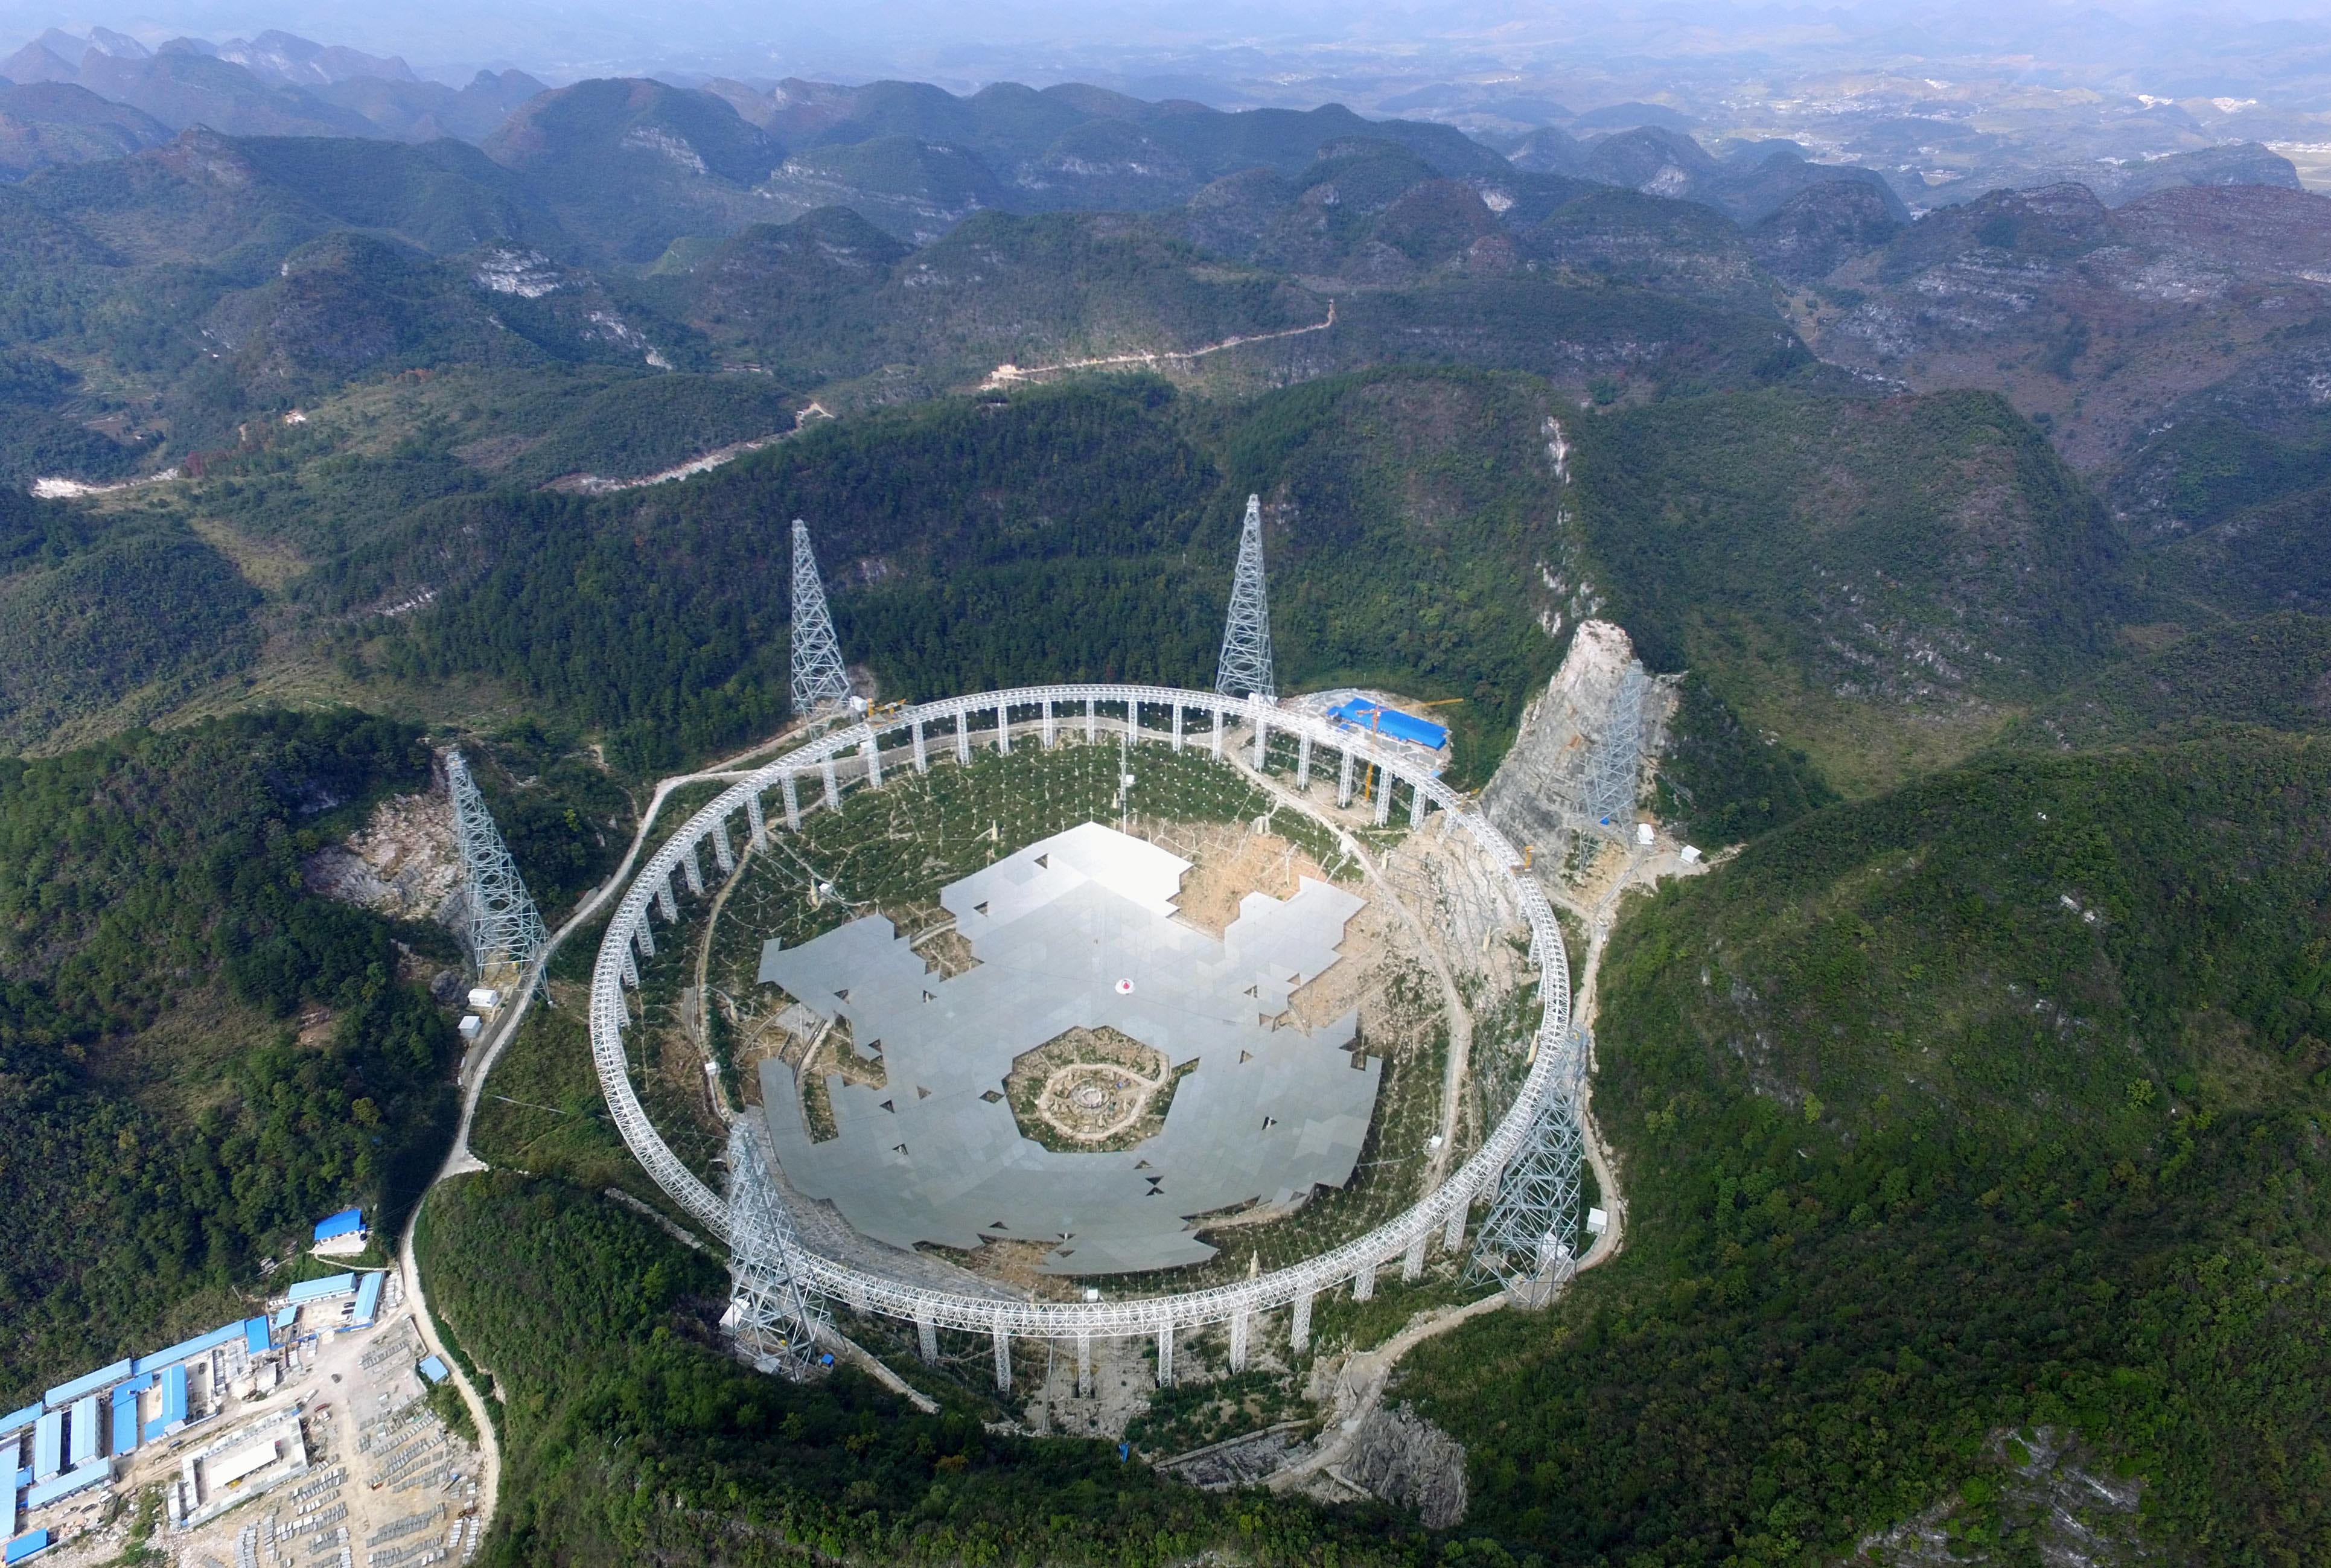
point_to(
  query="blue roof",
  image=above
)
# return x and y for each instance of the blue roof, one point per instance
(1360, 712)
(89, 1383)
(49, 1445)
(254, 1334)
(189, 1347)
(174, 1401)
(84, 1430)
(434, 1370)
(318, 1289)
(17, 1421)
(125, 1417)
(24, 1545)
(368, 1297)
(347, 1222)
(287, 1317)
(89, 1475)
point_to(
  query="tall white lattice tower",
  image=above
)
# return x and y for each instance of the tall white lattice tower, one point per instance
(775, 1322)
(1530, 1242)
(505, 929)
(819, 680)
(1245, 669)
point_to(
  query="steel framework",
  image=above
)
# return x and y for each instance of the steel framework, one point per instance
(1245, 669)
(840, 760)
(1528, 1243)
(774, 1318)
(1617, 760)
(820, 682)
(504, 928)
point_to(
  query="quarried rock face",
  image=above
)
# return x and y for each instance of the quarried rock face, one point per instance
(1543, 790)
(1408, 1461)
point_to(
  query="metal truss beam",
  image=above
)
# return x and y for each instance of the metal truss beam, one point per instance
(820, 682)
(1245, 669)
(503, 927)
(843, 751)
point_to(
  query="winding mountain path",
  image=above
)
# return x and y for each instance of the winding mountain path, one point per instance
(478, 1065)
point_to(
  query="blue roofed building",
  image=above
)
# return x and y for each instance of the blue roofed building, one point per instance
(345, 1228)
(80, 1431)
(27, 1545)
(48, 1445)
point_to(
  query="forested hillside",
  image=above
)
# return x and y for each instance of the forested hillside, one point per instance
(197, 1057)
(1992, 1103)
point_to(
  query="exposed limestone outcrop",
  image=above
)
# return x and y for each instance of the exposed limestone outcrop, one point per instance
(1406, 1460)
(1541, 792)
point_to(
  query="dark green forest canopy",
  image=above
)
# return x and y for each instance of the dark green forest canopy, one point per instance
(1995, 1100)
(1078, 533)
(166, 1111)
(628, 1435)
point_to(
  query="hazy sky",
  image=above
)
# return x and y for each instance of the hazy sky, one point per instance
(1311, 39)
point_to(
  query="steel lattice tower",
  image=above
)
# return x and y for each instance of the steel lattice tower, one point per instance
(775, 1321)
(819, 680)
(504, 927)
(1245, 669)
(1616, 763)
(1528, 1243)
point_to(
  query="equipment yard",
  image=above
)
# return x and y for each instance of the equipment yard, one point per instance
(324, 1450)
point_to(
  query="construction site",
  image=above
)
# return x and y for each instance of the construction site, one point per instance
(1101, 1036)
(303, 1436)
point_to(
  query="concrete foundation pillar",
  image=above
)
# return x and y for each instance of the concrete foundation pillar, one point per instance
(1364, 1283)
(646, 938)
(1215, 739)
(1383, 796)
(927, 1340)
(1261, 740)
(793, 801)
(962, 739)
(1177, 727)
(665, 901)
(1452, 1234)
(832, 785)
(723, 855)
(755, 821)
(1412, 1262)
(1004, 729)
(1052, 726)
(922, 749)
(692, 871)
(630, 970)
(1003, 1357)
(1298, 1334)
(1238, 1341)
(873, 750)
(1092, 719)
(1415, 807)
(1344, 782)
(1084, 1361)
(1166, 1353)
(1303, 764)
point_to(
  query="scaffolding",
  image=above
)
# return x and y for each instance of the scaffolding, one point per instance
(504, 929)
(776, 1323)
(820, 682)
(1528, 1243)
(1614, 766)
(1245, 669)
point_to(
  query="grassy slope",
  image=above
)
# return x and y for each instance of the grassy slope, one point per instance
(1915, 1149)
(1881, 583)
(2273, 671)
